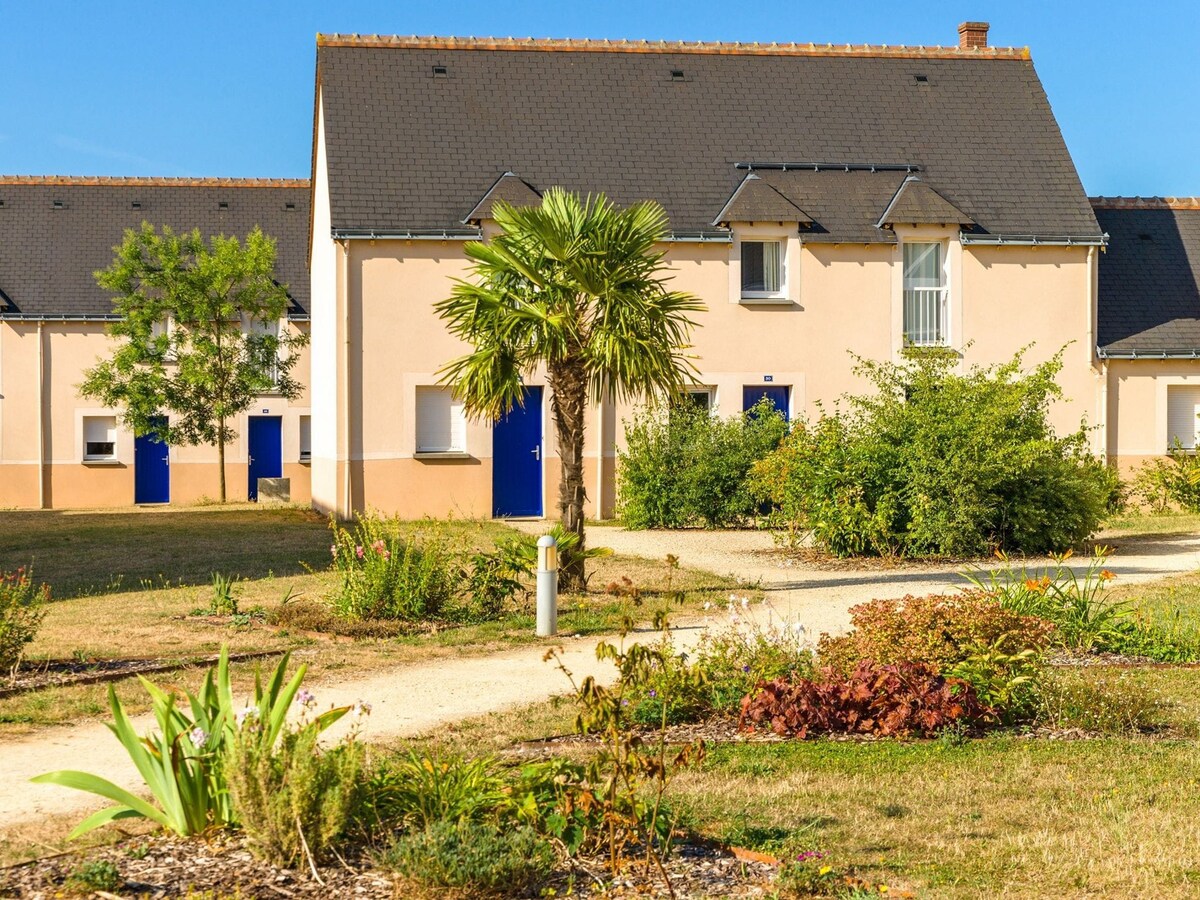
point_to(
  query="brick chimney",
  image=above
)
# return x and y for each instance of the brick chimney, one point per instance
(972, 35)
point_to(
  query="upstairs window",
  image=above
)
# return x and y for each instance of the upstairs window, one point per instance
(305, 438)
(99, 438)
(925, 308)
(441, 421)
(762, 269)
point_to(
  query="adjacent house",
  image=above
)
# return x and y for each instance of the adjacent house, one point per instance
(60, 450)
(824, 202)
(1149, 326)
(827, 203)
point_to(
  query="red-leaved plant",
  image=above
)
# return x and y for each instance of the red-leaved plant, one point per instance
(902, 700)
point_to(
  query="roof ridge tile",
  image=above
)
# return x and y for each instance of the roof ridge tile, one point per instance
(151, 181)
(1145, 202)
(607, 45)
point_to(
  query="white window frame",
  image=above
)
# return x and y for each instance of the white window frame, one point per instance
(781, 242)
(1189, 446)
(455, 442)
(940, 293)
(304, 430)
(111, 432)
(252, 326)
(165, 327)
(702, 391)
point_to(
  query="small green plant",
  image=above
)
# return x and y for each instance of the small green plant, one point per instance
(809, 873)
(416, 791)
(223, 602)
(1005, 682)
(630, 773)
(1103, 704)
(481, 858)
(1173, 481)
(294, 799)
(97, 875)
(183, 762)
(520, 553)
(22, 606)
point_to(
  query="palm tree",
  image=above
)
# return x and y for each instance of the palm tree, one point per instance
(577, 286)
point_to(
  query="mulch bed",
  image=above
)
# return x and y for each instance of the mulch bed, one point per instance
(168, 867)
(40, 674)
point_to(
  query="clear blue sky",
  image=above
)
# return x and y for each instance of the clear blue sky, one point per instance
(225, 88)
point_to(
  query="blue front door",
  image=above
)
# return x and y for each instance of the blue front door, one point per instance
(266, 450)
(151, 469)
(777, 394)
(517, 459)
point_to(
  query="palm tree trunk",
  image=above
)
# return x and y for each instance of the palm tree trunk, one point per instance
(568, 385)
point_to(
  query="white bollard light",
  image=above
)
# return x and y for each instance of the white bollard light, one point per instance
(547, 587)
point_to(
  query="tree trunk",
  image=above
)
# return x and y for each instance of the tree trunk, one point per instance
(221, 454)
(568, 385)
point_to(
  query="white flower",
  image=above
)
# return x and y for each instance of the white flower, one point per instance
(360, 708)
(199, 736)
(246, 712)
(745, 602)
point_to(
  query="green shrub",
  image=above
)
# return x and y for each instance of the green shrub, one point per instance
(484, 859)
(97, 875)
(520, 553)
(684, 466)
(1173, 481)
(385, 577)
(1006, 682)
(1104, 704)
(937, 463)
(22, 606)
(294, 799)
(939, 630)
(223, 601)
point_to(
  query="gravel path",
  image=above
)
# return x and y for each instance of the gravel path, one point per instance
(413, 699)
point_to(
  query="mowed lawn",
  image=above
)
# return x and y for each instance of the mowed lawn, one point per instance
(127, 584)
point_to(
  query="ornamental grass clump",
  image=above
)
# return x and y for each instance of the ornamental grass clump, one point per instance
(22, 606)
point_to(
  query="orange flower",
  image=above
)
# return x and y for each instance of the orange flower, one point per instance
(1106, 575)
(1032, 584)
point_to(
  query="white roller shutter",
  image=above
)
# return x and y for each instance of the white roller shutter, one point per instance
(441, 424)
(1183, 403)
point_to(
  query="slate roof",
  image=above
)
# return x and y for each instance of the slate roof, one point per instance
(418, 129)
(56, 231)
(756, 200)
(509, 189)
(1149, 282)
(916, 203)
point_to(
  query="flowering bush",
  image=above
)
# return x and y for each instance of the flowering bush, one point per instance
(21, 610)
(385, 577)
(937, 630)
(890, 700)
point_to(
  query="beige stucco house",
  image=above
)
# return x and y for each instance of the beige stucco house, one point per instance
(60, 450)
(824, 202)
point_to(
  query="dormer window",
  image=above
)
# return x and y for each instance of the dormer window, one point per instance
(762, 269)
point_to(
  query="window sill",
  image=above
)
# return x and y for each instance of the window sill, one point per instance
(764, 300)
(101, 463)
(441, 454)
(305, 460)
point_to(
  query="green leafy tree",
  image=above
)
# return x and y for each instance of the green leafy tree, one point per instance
(200, 336)
(576, 286)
